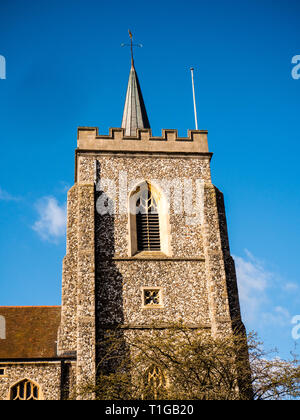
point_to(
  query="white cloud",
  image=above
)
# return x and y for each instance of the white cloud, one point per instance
(280, 317)
(290, 287)
(51, 224)
(253, 281)
(5, 196)
(259, 289)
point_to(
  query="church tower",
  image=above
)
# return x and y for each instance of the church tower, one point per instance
(147, 247)
(147, 238)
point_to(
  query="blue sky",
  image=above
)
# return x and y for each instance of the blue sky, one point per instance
(66, 68)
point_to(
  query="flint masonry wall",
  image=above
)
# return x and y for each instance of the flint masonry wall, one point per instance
(56, 380)
(102, 280)
(77, 330)
(46, 374)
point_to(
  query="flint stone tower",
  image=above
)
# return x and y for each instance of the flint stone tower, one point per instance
(170, 264)
(147, 245)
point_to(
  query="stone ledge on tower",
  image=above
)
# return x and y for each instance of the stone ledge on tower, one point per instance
(89, 139)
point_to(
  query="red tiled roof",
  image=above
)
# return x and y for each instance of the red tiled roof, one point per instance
(31, 331)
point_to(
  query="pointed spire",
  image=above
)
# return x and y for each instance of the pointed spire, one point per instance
(135, 115)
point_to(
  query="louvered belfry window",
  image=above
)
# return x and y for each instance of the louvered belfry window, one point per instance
(147, 221)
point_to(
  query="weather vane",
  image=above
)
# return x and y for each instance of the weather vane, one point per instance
(131, 45)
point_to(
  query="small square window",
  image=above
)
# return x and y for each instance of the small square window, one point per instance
(152, 297)
(2, 372)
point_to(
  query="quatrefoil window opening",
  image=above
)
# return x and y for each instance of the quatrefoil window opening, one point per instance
(152, 297)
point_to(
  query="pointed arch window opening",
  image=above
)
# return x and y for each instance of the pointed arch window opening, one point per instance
(155, 382)
(147, 221)
(25, 391)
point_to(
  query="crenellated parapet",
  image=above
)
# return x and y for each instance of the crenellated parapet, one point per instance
(88, 139)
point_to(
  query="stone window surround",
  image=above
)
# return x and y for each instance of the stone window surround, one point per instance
(164, 224)
(161, 297)
(40, 393)
(155, 375)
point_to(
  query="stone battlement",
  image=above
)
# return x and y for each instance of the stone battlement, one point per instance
(89, 139)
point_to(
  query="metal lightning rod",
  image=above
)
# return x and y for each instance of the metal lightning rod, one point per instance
(195, 109)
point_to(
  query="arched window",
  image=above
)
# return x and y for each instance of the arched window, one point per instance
(155, 383)
(149, 227)
(147, 220)
(24, 390)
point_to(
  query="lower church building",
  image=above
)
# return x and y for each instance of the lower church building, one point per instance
(147, 245)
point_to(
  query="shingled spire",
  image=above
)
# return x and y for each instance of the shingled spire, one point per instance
(135, 115)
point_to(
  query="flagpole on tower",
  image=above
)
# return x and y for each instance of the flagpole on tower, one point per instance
(195, 108)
